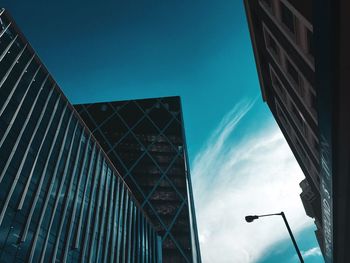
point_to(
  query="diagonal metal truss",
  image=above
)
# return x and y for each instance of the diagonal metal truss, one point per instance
(145, 140)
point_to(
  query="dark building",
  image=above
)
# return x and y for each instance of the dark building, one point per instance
(282, 36)
(61, 199)
(301, 50)
(145, 141)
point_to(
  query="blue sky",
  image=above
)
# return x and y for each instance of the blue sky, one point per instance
(200, 50)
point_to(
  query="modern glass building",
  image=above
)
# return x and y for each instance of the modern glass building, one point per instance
(145, 141)
(61, 199)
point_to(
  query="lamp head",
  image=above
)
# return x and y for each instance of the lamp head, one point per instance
(250, 219)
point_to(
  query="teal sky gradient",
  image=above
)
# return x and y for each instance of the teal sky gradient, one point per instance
(284, 251)
(117, 50)
(199, 50)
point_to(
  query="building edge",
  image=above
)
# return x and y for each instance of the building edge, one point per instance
(190, 192)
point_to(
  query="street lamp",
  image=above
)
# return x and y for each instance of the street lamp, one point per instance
(251, 218)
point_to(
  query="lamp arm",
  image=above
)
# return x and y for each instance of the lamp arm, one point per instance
(277, 214)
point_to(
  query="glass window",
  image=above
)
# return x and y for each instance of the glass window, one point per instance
(315, 145)
(292, 72)
(302, 154)
(5, 41)
(267, 3)
(297, 115)
(310, 42)
(271, 44)
(313, 101)
(276, 83)
(3, 23)
(287, 18)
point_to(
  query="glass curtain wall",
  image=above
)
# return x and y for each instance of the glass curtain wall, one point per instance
(61, 199)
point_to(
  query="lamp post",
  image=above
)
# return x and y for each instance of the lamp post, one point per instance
(251, 218)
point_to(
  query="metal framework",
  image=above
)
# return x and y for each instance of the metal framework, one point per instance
(146, 142)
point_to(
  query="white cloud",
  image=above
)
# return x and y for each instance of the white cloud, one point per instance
(315, 251)
(234, 176)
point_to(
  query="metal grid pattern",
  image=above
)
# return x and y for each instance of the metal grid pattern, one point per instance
(145, 141)
(61, 198)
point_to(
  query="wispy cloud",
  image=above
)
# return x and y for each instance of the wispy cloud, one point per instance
(235, 175)
(315, 251)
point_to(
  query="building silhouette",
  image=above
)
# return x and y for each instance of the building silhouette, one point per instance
(301, 51)
(145, 141)
(61, 198)
(282, 37)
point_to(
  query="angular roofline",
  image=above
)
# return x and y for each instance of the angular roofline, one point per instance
(255, 48)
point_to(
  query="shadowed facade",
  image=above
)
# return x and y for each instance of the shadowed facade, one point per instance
(301, 51)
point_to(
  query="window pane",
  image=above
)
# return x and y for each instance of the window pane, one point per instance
(287, 18)
(313, 102)
(310, 42)
(267, 2)
(277, 85)
(297, 115)
(292, 72)
(273, 45)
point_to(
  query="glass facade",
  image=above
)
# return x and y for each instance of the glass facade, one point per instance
(61, 199)
(145, 141)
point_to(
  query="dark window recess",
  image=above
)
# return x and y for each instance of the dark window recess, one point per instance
(301, 151)
(292, 72)
(313, 101)
(273, 45)
(282, 117)
(287, 18)
(316, 145)
(298, 116)
(277, 85)
(267, 3)
(310, 42)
